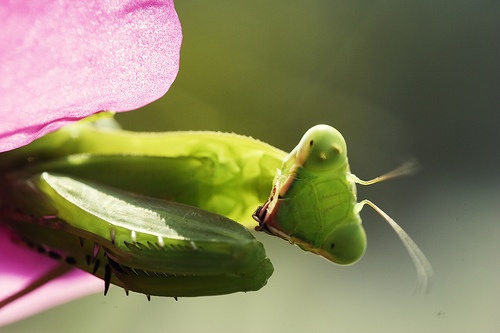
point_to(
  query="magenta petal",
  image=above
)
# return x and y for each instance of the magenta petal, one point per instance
(63, 60)
(20, 266)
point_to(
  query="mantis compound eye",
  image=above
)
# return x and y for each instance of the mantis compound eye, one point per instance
(322, 148)
(345, 245)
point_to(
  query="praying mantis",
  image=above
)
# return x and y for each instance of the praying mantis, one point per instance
(317, 172)
(155, 213)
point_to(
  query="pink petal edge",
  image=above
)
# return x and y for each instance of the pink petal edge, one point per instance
(62, 61)
(29, 265)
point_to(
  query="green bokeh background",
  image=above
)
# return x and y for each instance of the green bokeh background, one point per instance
(399, 79)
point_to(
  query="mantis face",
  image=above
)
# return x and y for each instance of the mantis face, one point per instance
(313, 202)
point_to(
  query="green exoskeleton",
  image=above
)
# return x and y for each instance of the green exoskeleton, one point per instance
(142, 210)
(313, 203)
(224, 173)
(142, 244)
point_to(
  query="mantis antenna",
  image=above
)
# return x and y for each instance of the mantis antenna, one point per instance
(422, 265)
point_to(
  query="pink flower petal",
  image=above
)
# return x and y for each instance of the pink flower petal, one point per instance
(63, 60)
(20, 266)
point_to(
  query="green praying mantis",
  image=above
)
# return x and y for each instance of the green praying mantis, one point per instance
(313, 203)
(153, 212)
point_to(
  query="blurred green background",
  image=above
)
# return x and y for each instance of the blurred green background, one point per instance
(399, 79)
